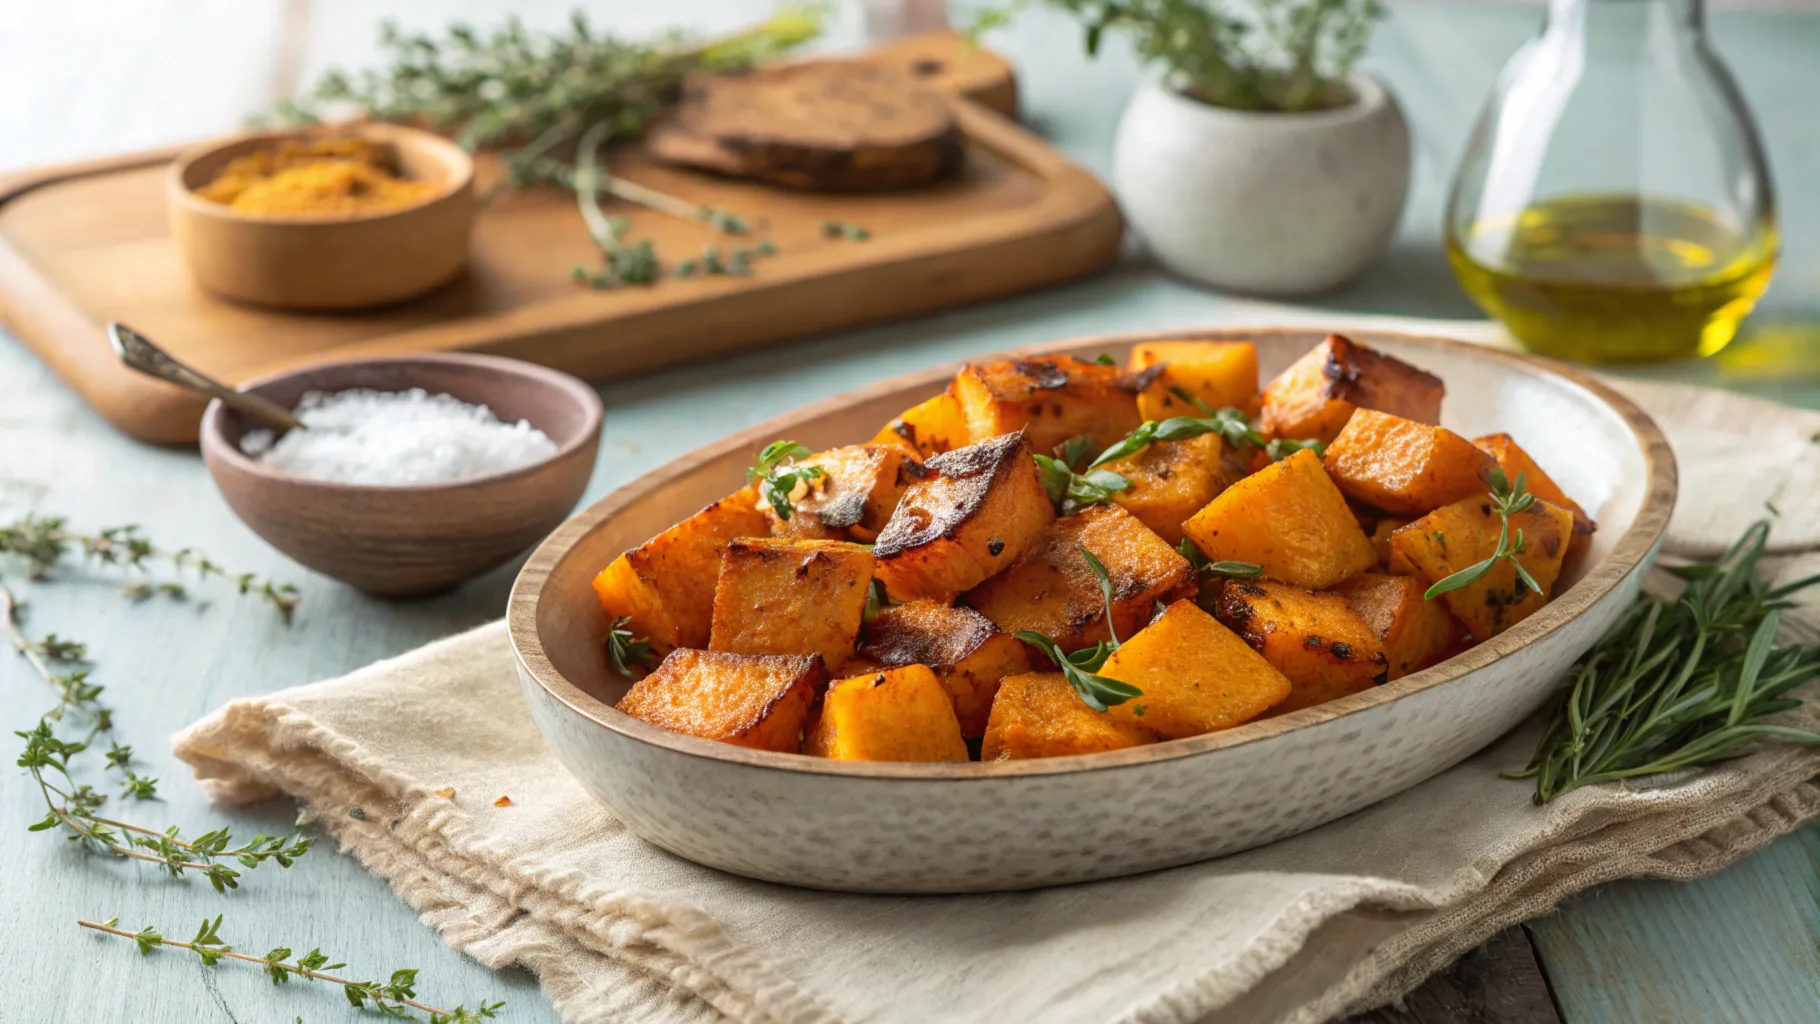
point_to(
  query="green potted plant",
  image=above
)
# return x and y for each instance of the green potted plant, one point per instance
(1256, 159)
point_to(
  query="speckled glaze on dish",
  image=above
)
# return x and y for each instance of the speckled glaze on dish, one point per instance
(918, 828)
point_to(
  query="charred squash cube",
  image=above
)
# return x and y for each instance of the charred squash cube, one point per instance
(666, 585)
(1317, 640)
(1456, 536)
(930, 428)
(901, 714)
(1315, 397)
(1220, 373)
(979, 509)
(1512, 459)
(1039, 715)
(962, 647)
(854, 498)
(1290, 519)
(1054, 592)
(1172, 480)
(1050, 399)
(782, 596)
(1196, 676)
(1415, 632)
(748, 700)
(1404, 467)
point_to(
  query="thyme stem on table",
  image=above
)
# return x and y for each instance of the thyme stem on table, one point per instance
(1679, 683)
(390, 998)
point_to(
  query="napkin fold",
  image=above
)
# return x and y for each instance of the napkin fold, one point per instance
(1345, 917)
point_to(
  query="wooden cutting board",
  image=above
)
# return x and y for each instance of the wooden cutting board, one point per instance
(85, 244)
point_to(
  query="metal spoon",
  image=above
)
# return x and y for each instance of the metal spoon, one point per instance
(140, 353)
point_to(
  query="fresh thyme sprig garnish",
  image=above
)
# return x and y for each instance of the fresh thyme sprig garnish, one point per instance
(1679, 683)
(777, 475)
(1204, 567)
(76, 696)
(45, 541)
(72, 809)
(626, 650)
(1236, 428)
(392, 998)
(1070, 490)
(1081, 667)
(1508, 499)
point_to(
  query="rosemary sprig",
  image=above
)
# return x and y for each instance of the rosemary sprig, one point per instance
(1508, 499)
(1081, 667)
(1204, 567)
(1679, 683)
(392, 998)
(71, 809)
(626, 650)
(778, 474)
(43, 542)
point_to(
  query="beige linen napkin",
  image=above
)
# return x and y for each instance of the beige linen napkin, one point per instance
(1347, 916)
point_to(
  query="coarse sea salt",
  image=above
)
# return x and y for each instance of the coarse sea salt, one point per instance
(397, 439)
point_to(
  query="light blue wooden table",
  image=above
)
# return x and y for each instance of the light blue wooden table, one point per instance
(1740, 946)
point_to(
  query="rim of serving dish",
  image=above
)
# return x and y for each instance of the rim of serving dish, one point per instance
(213, 435)
(1632, 547)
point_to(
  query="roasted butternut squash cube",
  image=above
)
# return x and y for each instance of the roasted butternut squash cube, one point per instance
(855, 496)
(1052, 590)
(929, 428)
(787, 596)
(1038, 714)
(965, 650)
(1315, 397)
(666, 585)
(1512, 459)
(1220, 373)
(1196, 676)
(1380, 536)
(1325, 648)
(1050, 399)
(1289, 518)
(1172, 480)
(748, 700)
(1415, 632)
(901, 714)
(979, 509)
(1456, 536)
(1404, 467)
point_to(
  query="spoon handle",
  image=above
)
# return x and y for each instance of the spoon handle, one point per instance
(140, 353)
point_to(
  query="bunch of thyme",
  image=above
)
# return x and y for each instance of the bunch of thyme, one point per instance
(393, 998)
(1679, 683)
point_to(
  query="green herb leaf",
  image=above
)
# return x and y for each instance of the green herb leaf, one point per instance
(1508, 499)
(1233, 569)
(1081, 667)
(778, 476)
(1678, 683)
(627, 652)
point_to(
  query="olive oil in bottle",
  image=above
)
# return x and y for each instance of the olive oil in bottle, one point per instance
(1604, 278)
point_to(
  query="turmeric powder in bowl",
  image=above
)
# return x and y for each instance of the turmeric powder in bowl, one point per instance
(316, 176)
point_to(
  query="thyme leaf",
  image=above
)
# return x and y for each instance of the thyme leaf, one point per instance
(1081, 667)
(1509, 498)
(778, 475)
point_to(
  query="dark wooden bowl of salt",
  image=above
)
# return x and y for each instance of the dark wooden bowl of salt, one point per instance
(403, 539)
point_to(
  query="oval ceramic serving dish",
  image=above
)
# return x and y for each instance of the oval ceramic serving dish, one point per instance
(929, 828)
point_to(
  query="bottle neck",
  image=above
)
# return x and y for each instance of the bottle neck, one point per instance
(1614, 20)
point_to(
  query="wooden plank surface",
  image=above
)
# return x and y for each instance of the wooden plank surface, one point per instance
(1738, 946)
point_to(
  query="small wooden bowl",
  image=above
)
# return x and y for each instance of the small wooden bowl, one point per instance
(326, 261)
(407, 541)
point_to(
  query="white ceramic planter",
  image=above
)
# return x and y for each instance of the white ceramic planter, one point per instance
(1274, 204)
